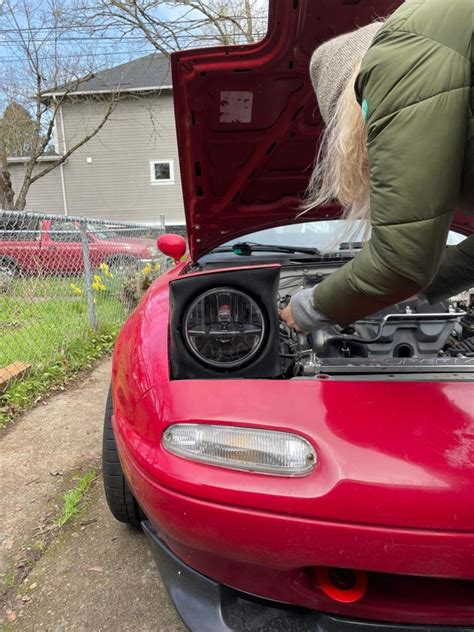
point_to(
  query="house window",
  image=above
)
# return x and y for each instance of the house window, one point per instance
(161, 172)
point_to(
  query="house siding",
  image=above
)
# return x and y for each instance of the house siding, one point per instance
(45, 194)
(109, 177)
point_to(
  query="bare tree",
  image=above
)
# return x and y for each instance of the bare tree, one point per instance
(48, 66)
(180, 24)
(40, 64)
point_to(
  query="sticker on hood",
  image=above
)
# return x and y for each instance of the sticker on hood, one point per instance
(236, 107)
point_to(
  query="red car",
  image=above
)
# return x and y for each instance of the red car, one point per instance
(288, 482)
(53, 246)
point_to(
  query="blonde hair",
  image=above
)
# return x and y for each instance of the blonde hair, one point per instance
(341, 172)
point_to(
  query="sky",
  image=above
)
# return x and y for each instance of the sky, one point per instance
(85, 46)
(109, 49)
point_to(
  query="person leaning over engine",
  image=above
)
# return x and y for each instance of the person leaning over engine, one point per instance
(398, 151)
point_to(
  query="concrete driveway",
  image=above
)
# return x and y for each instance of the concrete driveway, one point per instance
(94, 574)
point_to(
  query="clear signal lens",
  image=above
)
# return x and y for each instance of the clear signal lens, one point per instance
(249, 449)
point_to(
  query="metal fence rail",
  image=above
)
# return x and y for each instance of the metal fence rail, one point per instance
(62, 278)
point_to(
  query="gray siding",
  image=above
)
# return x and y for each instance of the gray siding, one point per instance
(45, 194)
(109, 177)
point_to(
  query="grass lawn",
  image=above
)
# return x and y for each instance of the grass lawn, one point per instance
(39, 317)
(45, 322)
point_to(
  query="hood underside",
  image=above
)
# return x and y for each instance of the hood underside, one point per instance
(248, 123)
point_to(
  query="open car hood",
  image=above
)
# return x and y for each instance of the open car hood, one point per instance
(248, 123)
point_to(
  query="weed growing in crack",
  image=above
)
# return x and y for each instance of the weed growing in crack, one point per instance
(73, 498)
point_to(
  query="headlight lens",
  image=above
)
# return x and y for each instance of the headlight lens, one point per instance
(239, 448)
(224, 328)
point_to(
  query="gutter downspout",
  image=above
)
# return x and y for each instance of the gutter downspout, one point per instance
(61, 166)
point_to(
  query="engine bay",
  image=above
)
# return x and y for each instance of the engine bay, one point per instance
(225, 325)
(411, 336)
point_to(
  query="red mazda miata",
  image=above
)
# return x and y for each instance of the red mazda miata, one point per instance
(288, 482)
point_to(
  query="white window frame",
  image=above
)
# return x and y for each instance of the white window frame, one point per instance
(152, 171)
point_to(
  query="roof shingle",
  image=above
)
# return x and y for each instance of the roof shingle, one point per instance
(150, 72)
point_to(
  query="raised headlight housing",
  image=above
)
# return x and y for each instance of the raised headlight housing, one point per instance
(241, 448)
(225, 324)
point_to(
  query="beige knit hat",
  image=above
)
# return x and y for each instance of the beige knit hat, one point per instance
(333, 63)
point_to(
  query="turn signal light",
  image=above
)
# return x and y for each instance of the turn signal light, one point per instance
(240, 448)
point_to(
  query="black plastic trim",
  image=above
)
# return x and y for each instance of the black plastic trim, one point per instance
(207, 606)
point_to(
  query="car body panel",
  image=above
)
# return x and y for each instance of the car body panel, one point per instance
(273, 555)
(41, 252)
(390, 453)
(378, 463)
(391, 493)
(198, 598)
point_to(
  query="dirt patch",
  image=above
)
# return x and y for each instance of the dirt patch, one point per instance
(95, 574)
(99, 576)
(38, 455)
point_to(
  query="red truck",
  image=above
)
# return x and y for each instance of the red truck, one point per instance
(55, 247)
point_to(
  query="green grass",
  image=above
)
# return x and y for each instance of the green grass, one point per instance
(45, 323)
(71, 500)
(40, 317)
(79, 354)
(9, 580)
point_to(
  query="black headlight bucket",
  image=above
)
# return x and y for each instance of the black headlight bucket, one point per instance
(225, 324)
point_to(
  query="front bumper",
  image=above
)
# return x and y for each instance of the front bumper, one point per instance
(416, 577)
(207, 606)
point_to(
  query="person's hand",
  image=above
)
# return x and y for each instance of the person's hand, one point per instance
(287, 317)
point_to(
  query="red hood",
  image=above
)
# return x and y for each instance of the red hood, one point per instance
(248, 122)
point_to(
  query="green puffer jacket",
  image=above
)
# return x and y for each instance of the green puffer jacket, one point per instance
(417, 83)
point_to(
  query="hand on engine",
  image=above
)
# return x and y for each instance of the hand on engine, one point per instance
(301, 314)
(287, 317)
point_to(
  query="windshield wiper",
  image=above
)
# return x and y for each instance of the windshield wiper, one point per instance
(245, 249)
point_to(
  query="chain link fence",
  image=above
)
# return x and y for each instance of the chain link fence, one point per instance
(63, 279)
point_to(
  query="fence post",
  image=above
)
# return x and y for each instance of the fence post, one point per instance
(88, 276)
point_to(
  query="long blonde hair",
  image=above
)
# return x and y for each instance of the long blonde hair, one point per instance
(341, 172)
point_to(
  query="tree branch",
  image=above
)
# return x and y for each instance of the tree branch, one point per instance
(83, 141)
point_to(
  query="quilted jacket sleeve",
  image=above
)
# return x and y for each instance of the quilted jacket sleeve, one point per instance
(455, 274)
(416, 88)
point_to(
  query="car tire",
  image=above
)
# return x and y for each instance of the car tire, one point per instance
(9, 267)
(120, 499)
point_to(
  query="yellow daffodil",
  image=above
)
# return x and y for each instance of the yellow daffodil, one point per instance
(104, 267)
(77, 290)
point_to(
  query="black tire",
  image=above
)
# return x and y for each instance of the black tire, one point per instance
(9, 267)
(120, 499)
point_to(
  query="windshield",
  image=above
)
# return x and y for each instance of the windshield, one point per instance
(327, 236)
(102, 232)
